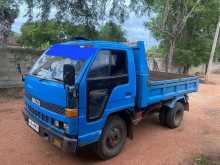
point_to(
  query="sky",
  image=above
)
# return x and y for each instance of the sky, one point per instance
(134, 28)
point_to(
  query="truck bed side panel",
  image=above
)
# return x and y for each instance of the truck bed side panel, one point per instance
(168, 89)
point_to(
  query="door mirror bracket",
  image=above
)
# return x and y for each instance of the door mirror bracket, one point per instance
(69, 81)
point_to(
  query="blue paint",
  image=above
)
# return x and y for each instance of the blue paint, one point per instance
(142, 92)
(74, 52)
(51, 92)
(90, 132)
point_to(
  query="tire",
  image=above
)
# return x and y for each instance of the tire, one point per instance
(113, 138)
(175, 116)
(163, 116)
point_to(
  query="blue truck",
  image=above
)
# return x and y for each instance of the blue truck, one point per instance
(82, 92)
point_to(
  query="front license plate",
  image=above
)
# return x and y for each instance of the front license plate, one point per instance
(33, 125)
(56, 142)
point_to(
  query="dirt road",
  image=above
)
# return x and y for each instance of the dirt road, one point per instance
(152, 144)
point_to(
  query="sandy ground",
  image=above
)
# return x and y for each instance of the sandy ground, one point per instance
(152, 144)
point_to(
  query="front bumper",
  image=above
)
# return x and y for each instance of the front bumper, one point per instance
(65, 143)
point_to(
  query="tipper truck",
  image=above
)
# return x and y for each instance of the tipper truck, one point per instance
(85, 92)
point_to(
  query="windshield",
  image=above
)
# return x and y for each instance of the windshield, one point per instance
(51, 67)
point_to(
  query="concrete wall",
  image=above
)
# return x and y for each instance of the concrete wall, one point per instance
(192, 70)
(202, 68)
(9, 58)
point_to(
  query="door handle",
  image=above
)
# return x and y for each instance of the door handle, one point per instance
(128, 94)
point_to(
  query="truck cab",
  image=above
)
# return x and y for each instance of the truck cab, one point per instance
(92, 92)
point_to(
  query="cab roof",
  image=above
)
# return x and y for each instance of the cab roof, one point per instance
(99, 44)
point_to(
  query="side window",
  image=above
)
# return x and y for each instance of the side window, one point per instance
(100, 67)
(118, 63)
(109, 63)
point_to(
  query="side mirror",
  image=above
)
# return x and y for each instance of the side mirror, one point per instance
(68, 75)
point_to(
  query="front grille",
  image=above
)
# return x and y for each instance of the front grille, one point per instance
(49, 106)
(37, 114)
(42, 116)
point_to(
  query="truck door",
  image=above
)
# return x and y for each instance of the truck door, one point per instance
(109, 88)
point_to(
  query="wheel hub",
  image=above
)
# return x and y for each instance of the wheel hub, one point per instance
(114, 137)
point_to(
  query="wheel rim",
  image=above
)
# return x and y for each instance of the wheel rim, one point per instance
(178, 116)
(114, 137)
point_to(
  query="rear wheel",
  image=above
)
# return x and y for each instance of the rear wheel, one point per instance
(113, 138)
(174, 116)
(163, 116)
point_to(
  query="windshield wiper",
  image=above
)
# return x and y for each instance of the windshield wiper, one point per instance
(41, 78)
(58, 79)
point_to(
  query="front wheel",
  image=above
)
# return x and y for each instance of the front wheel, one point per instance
(113, 138)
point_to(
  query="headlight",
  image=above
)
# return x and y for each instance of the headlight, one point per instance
(65, 126)
(60, 124)
(56, 123)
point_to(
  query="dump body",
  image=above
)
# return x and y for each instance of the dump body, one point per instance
(163, 86)
(153, 87)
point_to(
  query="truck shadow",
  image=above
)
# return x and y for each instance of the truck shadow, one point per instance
(87, 155)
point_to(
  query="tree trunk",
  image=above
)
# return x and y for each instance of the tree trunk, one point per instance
(165, 14)
(171, 54)
(206, 68)
(213, 50)
(166, 63)
(186, 69)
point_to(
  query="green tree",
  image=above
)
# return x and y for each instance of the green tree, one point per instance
(170, 21)
(88, 12)
(8, 13)
(154, 51)
(40, 34)
(111, 31)
(192, 44)
(195, 44)
(84, 11)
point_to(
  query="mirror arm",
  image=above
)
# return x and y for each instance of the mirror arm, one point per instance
(71, 93)
(69, 88)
